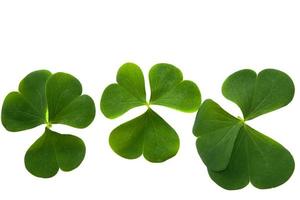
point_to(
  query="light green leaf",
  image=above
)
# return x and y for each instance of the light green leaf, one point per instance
(169, 89)
(26, 109)
(163, 77)
(147, 134)
(53, 151)
(116, 101)
(259, 94)
(130, 77)
(128, 93)
(217, 131)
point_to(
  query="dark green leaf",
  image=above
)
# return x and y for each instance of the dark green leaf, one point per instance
(235, 176)
(32, 87)
(217, 131)
(46, 99)
(79, 113)
(127, 94)
(256, 158)
(27, 108)
(169, 89)
(147, 134)
(66, 105)
(53, 151)
(235, 154)
(259, 94)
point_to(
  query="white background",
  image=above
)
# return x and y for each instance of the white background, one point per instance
(208, 40)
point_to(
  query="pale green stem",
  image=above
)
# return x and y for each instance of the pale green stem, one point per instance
(48, 123)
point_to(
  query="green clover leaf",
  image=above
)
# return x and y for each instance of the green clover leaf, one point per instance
(129, 92)
(234, 153)
(45, 98)
(169, 89)
(149, 134)
(53, 151)
(259, 94)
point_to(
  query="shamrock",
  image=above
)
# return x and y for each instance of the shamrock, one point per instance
(45, 98)
(234, 153)
(148, 134)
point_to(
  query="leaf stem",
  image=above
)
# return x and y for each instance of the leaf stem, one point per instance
(241, 119)
(48, 123)
(147, 104)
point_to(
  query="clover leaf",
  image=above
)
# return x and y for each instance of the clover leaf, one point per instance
(258, 94)
(234, 153)
(45, 98)
(53, 151)
(169, 89)
(149, 134)
(129, 92)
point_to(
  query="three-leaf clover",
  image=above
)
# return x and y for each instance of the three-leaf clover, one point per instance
(148, 134)
(234, 153)
(45, 98)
